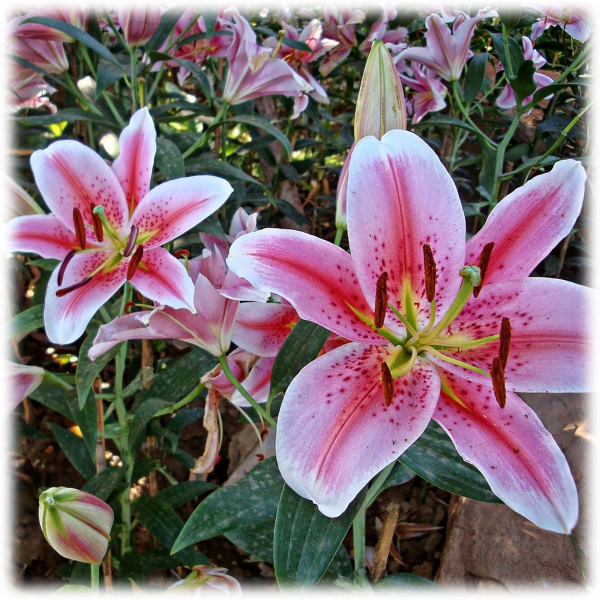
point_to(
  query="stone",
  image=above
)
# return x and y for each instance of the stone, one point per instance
(490, 547)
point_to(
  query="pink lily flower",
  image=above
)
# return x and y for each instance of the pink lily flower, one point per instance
(429, 90)
(28, 89)
(14, 200)
(442, 6)
(588, 10)
(408, 305)
(394, 39)
(507, 99)
(23, 380)
(208, 581)
(253, 72)
(447, 50)
(340, 25)
(562, 16)
(138, 24)
(107, 227)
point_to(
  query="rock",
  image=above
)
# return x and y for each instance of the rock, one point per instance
(489, 547)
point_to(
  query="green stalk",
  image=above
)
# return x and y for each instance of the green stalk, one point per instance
(56, 379)
(500, 155)
(191, 396)
(358, 539)
(338, 236)
(204, 137)
(133, 58)
(95, 580)
(457, 96)
(238, 386)
(70, 84)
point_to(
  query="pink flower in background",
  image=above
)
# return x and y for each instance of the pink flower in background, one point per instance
(76, 524)
(29, 89)
(138, 23)
(429, 90)
(22, 381)
(394, 39)
(339, 25)
(562, 16)
(587, 10)
(208, 581)
(107, 227)
(253, 72)
(409, 307)
(447, 49)
(507, 99)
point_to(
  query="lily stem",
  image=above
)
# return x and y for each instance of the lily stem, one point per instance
(95, 580)
(358, 539)
(191, 396)
(338, 236)
(238, 386)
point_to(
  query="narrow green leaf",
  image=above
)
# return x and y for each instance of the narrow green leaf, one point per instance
(306, 540)
(516, 54)
(250, 500)
(546, 91)
(78, 34)
(27, 321)
(131, 567)
(182, 493)
(256, 539)
(297, 45)
(400, 474)
(291, 212)
(53, 397)
(166, 25)
(102, 484)
(523, 84)
(407, 582)
(86, 418)
(266, 126)
(210, 166)
(46, 264)
(71, 592)
(444, 121)
(108, 73)
(301, 346)
(487, 175)
(434, 458)
(142, 417)
(169, 160)
(70, 115)
(75, 450)
(25, 430)
(204, 35)
(159, 558)
(197, 73)
(475, 76)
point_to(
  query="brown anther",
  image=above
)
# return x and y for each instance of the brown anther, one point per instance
(484, 261)
(63, 267)
(388, 384)
(497, 373)
(505, 336)
(182, 252)
(127, 307)
(79, 228)
(260, 457)
(64, 291)
(133, 236)
(430, 272)
(97, 223)
(263, 433)
(134, 263)
(381, 300)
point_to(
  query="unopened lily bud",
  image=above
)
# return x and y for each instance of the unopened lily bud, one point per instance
(76, 524)
(341, 199)
(380, 106)
(139, 24)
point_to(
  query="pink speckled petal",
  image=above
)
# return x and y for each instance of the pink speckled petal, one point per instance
(511, 448)
(257, 384)
(173, 207)
(133, 167)
(262, 328)
(43, 234)
(162, 278)
(530, 222)
(550, 349)
(315, 276)
(66, 318)
(70, 175)
(334, 431)
(393, 211)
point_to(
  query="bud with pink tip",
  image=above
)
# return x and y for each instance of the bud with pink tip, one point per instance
(76, 524)
(139, 24)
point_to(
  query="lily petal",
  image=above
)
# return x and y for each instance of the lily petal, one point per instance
(530, 222)
(335, 432)
(315, 276)
(549, 347)
(390, 219)
(70, 175)
(162, 278)
(262, 328)
(43, 234)
(66, 317)
(257, 384)
(22, 379)
(173, 207)
(511, 448)
(133, 167)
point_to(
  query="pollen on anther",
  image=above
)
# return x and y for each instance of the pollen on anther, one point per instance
(484, 261)
(498, 382)
(387, 383)
(430, 272)
(381, 300)
(505, 337)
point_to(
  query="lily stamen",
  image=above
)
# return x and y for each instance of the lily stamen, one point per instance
(430, 272)
(387, 383)
(498, 382)
(63, 267)
(484, 261)
(97, 223)
(131, 241)
(381, 300)
(134, 262)
(79, 228)
(64, 291)
(505, 336)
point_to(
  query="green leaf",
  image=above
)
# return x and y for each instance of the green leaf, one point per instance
(71, 592)
(306, 540)
(399, 475)
(301, 346)
(297, 45)
(182, 493)
(159, 558)
(108, 73)
(197, 73)
(475, 76)
(27, 321)
(544, 92)
(487, 175)
(444, 121)
(53, 397)
(143, 415)
(291, 212)
(86, 418)
(26, 430)
(75, 450)
(46, 264)
(210, 166)
(88, 370)
(266, 126)
(510, 15)
(78, 34)
(210, 12)
(168, 159)
(166, 25)
(250, 500)
(131, 567)
(256, 539)
(434, 458)
(555, 124)
(406, 582)
(102, 484)
(523, 84)
(515, 53)
(68, 114)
